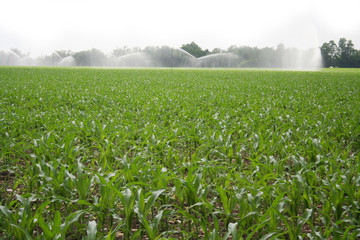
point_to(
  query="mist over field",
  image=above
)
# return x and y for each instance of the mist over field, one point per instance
(189, 55)
(260, 33)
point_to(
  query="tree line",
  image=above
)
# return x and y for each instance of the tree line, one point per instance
(191, 54)
(342, 55)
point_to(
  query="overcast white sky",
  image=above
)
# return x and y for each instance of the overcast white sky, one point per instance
(42, 26)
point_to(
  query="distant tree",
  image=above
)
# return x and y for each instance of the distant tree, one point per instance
(267, 56)
(118, 52)
(64, 53)
(20, 53)
(82, 58)
(93, 57)
(249, 56)
(194, 49)
(216, 50)
(342, 54)
(160, 55)
(347, 53)
(280, 55)
(330, 54)
(136, 49)
(46, 60)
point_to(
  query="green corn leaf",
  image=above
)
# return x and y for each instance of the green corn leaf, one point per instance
(150, 201)
(224, 200)
(6, 211)
(267, 236)
(57, 223)
(232, 228)
(136, 234)
(140, 204)
(257, 227)
(91, 230)
(249, 214)
(157, 219)
(47, 232)
(26, 235)
(70, 220)
(213, 235)
(307, 214)
(84, 202)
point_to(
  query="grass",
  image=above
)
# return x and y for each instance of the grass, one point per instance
(183, 154)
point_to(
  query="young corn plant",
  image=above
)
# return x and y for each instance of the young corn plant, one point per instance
(57, 228)
(127, 198)
(21, 222)
(143, 207)
(82, 182)
(105, 204)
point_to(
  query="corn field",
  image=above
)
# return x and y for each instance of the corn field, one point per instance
(179, 154)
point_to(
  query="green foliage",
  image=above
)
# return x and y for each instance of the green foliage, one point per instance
(93, 57)
(194, 50)
(342, 54)
(181, 154)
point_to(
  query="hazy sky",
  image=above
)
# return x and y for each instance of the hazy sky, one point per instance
(41, 26)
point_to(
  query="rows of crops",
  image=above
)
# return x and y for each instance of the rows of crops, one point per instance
(183, 154)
